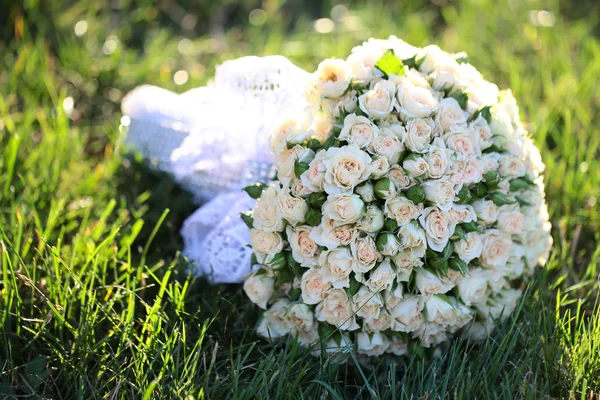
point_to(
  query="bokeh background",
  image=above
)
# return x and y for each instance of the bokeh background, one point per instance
(94, 299)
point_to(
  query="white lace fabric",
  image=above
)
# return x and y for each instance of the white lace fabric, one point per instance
(214, 141)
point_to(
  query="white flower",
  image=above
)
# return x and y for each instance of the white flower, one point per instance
(382, 277)
(482, 131)
(473, 289)
(379, 101)
(366, 192)
(285, 161)
(274, 324)
(313, 287)
(413, 238)
(300, 317)
(389, 143)
(265, 243)
(428, 283)
(450, 115)
(419, 132)
(510, 222)
(497, 248)
(437, 159)
(309, 337)
(331, 234)
(372, 344)
(432, 58)
(486, 211)
(259, 289)
(298, 189)
(511, 166)
(314, 177)
(439, 227)
(359, 130)
(346, 167)
(293, 209)
(402, 209)
(381, 323)
(415, 166)
(336, 309)
(344, 208)
(462, 213)
(448, 77)
(415, 101)
(266, 214)
(372, 220)
(431, 334)
(470, 247)
(379, 167)
(500, 306)
(362, 62)
(440, 311)
(321, 128)
(367, 304)
(289, 131)
(387, 244)
(336, 266)
(341, 105)
(398, 177)
(481, 94)
(405, 261)
(440, 192)
(464, 142)
(332, 77)
(407, 314)
(398, 347)
(365, 252)
(393, 297)
(304, 249)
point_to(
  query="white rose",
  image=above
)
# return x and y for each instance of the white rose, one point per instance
(346, 167)
(440, 311)
(304, 249)
(511, 166)
(336, 266)
(482, 132)
(321, 128)
(332, 77)
(481, 94)
(486, 211)
(341, 105)
(365, 252)
(289, 131)
(464, 142)
(419, 132)
(382, 323)
(413, 238)
(382, 277)
(472, 172)
(448, 77)
(362, 63)
(265, 243)
(439, 227)
(500, 306)
(398, 347)
(336, 309)
(393, 297)
(415, 101)
(437, 159)
(285, 161)
(298, 189)
(402, 209)
(489, 162)
(367, 304)
(259, 289)
(511, 222)
(432, 57)
(497, 247)
(431, 334)
(314, 177)
(379, 167)
(440, 192)
(415, 166)
(407, 314)
(344, 208)
(300, 317)
(359, 130)
(366, 192)
(380, 101)
(405, 262)
(274, 324)
(313, 287)
(309, 337)
(374, 344)
(450, 115)
(266, 214)
(372, 220)
(470, 247)
(293, 209)
(473, 288)
(389, 143)
(331, 234)
(398, 177)
(387, 244)
(428, 283)
(463, 213)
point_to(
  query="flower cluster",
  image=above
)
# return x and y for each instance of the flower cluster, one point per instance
(408, 206)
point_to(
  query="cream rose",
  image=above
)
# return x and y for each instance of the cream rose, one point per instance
(402, 209)
(367, 304)
(372, 220)
(437, 159)
(288, 132)
(365, 253)
(313, 287)
(314, 177)
(470, 247)
(321, 128)
(428, 283)
(259, 289)
(304, 249)
(266, 214)
(462, 213)
(298, 189)
(344, 208)
(432, 58)
(374, 344)
(511, 222)
(285, 161)
(482, 132)
(398, 177)
(419, 132)
(293, 209)
(440, 192)
(473, 288)
(382, 277)
(407, 315)
(300, 317)
(359, 130)
(497, 248)
(439, 227)
(382, 323)
(348, 103)
(336, 310)
(336, 266)
(366, 191)
(265, 243)
(413, 238)
(332, 77)
(380, 101)
(463, 142)
(393, 297)
(415, 101)
(405, 262)
(511, 166)
(346, 167)
(274, 323)
(486, 211)
(331, 234)
(415, 166)
(449, 115)
(379, 167)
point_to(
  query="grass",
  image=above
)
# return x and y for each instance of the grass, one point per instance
(94, 299)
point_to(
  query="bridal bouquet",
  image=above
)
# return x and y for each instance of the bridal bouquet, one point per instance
(408, 206)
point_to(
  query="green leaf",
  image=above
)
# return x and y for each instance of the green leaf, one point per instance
(330, 142)
(313, 217)
(461, 97)
(314, 145)
(479, 190)
(500, 199)
(459, 233)
(458, 265)
(390, 225)
(447, 252)
(300, 167)
(413, 62)
(276, 262)
(390, 64)
(354, 286)
(518, 184)
(492, 179)
(316, 200)
(416, 194)
(470, 226)
(464, 196)
(246, 216)
(255, 190)
(485, 112)
(326, 331)
(461, 58)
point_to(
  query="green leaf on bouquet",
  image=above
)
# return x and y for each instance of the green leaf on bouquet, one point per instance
(326, 331)
(277, 262)
(518, 184)
(313, 217)
(459, 233)
(246, 216)
(461, 58)
(479, 190)
(255, 190)
(485, 112)
(447, 252)
(314, 144)
(500, 199)
(464, 196)
(458, 265)
(413, 62)
(492, 179)
(390, 64)
(461, 97)
(416, 194)
(330, 142)
(470, 226)
(299, 168)
(317, 199)
(354, 286)
(390, 225)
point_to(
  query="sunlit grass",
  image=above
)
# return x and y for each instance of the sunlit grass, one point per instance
(94, 298)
